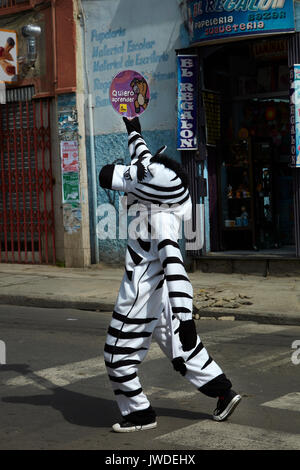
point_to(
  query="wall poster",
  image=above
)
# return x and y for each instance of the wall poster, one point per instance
(8, 55)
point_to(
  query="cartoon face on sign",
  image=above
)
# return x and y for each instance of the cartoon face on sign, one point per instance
(140, 88)
(129, 93)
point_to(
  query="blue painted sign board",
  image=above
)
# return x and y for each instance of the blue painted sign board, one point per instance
(214, 20)
(187, 73)
(295, 115)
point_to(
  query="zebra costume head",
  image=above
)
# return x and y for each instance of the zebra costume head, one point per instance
(150, 179)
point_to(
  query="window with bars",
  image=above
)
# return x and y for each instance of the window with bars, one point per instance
(26, 183)
(13, 3)
(13, 6)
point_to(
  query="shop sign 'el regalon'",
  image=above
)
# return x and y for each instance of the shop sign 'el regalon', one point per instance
(220, 19)
(187, 70)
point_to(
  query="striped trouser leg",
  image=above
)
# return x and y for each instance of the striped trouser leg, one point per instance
(129, 336)
(200, 366)
(124, 350)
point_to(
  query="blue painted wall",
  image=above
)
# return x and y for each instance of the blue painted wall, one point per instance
(113, 148)
(112, 28)
(118, 37)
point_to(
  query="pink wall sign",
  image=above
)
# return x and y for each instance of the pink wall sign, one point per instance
(129, 93)
(69, 154)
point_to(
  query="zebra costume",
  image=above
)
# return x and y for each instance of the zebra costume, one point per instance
(156, 297)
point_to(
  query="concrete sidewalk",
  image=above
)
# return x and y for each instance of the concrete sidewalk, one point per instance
(235, 296)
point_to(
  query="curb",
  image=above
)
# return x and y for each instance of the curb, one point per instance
(102, 306)
(43, 302)
(253, 315)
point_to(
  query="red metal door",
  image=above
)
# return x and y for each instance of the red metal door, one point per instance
(26, 183)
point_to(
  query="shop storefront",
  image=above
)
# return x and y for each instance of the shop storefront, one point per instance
(246, 51)
(250, 80)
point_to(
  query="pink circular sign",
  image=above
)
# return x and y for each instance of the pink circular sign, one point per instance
(129, 93)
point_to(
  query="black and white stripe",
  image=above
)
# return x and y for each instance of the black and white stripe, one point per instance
(156, 294)
(179, 287)
(159, 188)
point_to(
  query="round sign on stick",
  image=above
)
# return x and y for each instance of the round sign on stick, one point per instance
(129, 93)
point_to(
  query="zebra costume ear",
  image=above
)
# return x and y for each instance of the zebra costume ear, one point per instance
(160, 151)
(141, 170)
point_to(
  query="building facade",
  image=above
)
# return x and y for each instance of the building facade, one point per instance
(119, 36)
(58, 127)
(44, 214)
(247, 54)
(243, 175)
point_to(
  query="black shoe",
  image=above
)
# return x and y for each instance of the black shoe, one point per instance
(127, 426)
(226, 405)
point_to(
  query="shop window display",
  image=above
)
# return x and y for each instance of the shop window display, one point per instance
(254, 179)
(266, 227)
(237, 214)
(267, 121)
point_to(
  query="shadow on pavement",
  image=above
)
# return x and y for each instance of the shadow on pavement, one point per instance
(81, 409)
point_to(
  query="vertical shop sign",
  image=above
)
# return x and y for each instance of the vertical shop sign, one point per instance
(295, 114)
(187, 73)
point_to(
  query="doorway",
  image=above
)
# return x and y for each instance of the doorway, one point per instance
(27, 232)
(254, 185)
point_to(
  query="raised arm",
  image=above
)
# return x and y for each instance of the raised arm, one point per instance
(136, 144)
(120, 177)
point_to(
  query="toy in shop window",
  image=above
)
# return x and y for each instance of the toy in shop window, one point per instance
(266, 180)
(259, 189)
(240, 154)
(245, 179)
(268, 212)
(244, 216)
(236, 219)
(229, 192)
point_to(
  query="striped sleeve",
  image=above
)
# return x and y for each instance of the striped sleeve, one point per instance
(179, 287)
(137, 146)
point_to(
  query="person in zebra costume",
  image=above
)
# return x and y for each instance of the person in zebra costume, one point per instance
(155, 299)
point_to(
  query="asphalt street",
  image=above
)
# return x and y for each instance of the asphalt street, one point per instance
(54, 392)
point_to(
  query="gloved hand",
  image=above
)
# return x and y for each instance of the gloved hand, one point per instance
(132, 125)
(179, 365)
(187, 334)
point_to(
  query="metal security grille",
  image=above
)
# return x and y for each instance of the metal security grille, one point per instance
(19, 94)
(13, 3)
(26, 184)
